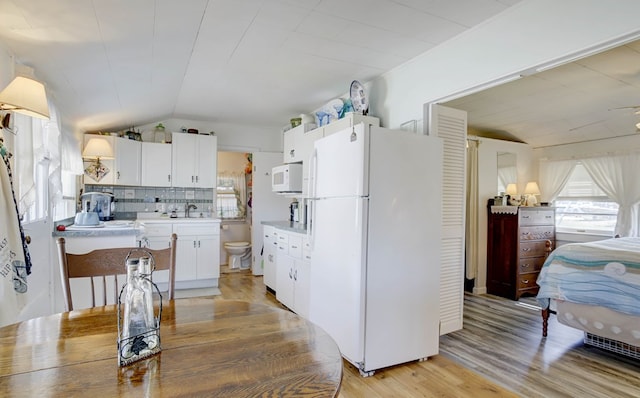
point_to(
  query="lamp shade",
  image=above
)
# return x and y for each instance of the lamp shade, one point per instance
(97, 148)
(27, 96)
(532, 188)
(511, 190)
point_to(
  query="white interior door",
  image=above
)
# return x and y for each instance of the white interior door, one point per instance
(451, 125)
(43, 271)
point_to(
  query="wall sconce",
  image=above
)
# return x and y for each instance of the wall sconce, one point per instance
(97, 148)
(531, 190)
(24, 95)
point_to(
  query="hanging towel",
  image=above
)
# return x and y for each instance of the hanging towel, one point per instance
(15, 262)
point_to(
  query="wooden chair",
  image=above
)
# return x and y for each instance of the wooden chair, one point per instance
(110, 262)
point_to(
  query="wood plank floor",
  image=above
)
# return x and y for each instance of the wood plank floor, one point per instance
(499, 353)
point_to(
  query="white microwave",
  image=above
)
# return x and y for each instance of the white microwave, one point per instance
(287, 178)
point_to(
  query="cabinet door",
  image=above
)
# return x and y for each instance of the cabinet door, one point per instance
(289, 146)
(305, 150)
(128, 163)
(186, 258)
(159, 243)
(183, 160)
(269, 256)
(284, 280)
(301, 289)
(156, 165)
(270, 266)
(208, 261)
(206, 170)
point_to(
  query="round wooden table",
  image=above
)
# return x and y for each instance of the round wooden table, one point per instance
(210, 348)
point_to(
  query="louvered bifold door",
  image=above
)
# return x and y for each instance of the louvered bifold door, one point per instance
(451, 126)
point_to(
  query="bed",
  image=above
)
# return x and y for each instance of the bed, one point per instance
(596, 288)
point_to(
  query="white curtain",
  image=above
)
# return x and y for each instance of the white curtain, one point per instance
(553, 176)
(617, 176)
(231, 194)
(24, 179)
(38, 142)
(471, 240)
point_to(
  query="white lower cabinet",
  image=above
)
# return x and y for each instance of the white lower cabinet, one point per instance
(158, 236)
(292, 275)
(197, 252)
(269, 255)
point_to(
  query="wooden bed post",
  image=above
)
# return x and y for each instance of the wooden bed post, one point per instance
(545, 321)
(545, 312)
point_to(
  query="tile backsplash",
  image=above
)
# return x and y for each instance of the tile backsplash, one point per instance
(151, 199)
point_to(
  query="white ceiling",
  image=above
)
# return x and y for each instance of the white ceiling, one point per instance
(576, 102)
(119, 63)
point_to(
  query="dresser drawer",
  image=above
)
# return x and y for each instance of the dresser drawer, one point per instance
(530, 264)
(527, 281)
(534, 248)
(537, 217)
(537, 233)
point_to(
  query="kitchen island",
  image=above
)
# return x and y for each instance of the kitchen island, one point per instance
(197, 249)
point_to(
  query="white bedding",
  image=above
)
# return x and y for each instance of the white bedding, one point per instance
(600, 321)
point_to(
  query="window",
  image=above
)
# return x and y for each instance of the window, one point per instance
(229, 196)
(66, 207)
(582, 207)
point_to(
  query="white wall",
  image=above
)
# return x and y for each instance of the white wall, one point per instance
(488, 186)
(231, 137)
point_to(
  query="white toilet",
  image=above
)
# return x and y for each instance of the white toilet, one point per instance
(239, 254)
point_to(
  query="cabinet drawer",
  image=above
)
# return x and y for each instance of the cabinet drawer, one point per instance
(163, 230)
(537, 217)
(200, 229)
(283, 238)
(283, 248)
(534, 248)
(530, 264)
(295, 246)
(527, 281)
(537, 233)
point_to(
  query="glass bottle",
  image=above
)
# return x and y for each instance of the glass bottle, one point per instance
(145, 284)
(135, 317)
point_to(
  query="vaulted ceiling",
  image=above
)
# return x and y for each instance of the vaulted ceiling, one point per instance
(118, 63)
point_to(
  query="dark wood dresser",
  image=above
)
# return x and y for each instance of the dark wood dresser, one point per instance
(518, 242)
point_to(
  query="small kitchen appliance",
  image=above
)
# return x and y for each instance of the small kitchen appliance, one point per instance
(102, 203)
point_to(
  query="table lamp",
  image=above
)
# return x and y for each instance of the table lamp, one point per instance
(531, 190)
(512, 191)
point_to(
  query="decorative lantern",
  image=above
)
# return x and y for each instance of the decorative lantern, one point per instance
(138, 326)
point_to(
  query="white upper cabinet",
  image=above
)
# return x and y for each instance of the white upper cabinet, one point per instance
(293, 143)
(349, 120)
(194, 160)
(128, 161)
(123, 169)
(298, 141)
(156, 165)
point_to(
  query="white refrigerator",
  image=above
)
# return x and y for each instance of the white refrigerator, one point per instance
(375, 244)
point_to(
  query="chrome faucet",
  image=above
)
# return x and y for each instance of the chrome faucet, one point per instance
(188, 208)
